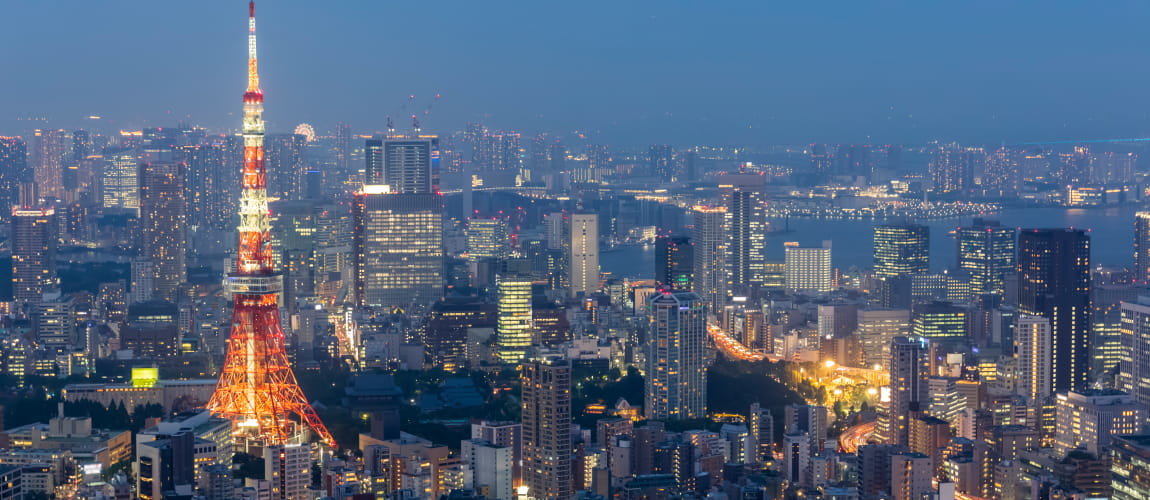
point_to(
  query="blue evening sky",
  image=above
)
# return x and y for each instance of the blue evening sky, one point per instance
(628, 72)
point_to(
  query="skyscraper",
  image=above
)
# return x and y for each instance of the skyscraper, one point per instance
(120, 179)
(710, 239)
(674, 262)
(163, 225)
(513, 328)
(14, 171)
(808, 269)
(877, 328)
(909, 370)
(1033, 348)
(50, 154)
(409, 165)
(986, 251)
(584, 256)
(34, 241)
(676, 371)
(398, 248)
(901, 249)
(1142, 247)
(1054, 282)
(486, 239)
(547, 471)
(747, 239)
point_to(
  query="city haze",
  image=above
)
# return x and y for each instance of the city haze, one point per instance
(741, 72)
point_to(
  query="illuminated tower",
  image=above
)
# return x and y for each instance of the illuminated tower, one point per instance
(257, 389)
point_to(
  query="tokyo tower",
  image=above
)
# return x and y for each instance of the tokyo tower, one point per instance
(257, 389)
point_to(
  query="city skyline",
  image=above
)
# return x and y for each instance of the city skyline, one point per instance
(741, 74)
(481, 312)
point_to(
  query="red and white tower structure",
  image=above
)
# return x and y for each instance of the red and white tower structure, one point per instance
(257, 389)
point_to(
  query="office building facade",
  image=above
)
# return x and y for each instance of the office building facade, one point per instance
(546, 431)
(901, 249)
(676, 370)
(1054, 282)
(398, 249)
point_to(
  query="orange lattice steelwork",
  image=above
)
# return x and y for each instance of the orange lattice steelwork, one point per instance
(257, 389)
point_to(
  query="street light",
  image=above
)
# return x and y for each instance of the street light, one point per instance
(522, 491)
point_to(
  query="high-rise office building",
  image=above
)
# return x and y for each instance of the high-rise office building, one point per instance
(986, 252)
(1135, 332)
(1142, 247)
(409, 165)
(513, 327)
(398, 248)
(1033, 348)
(877, 328)
(674, 262)
(1054, 282)
(901, 249)
(909, 386)
(486, 239)
(14, 171)
(119, 179)
(34, 242)
(445, 330)
(940, 321)
(546, 432)
(676, 371)
(163, 225)
(747, 239)
(808, 269)
(710, 240)
(584, 254)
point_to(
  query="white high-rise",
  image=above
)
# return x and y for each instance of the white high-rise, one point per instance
(288, 468)
(1033, 345)
(584, 254)
(808, 269)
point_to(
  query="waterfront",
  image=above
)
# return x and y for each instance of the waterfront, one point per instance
(1111, 231)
